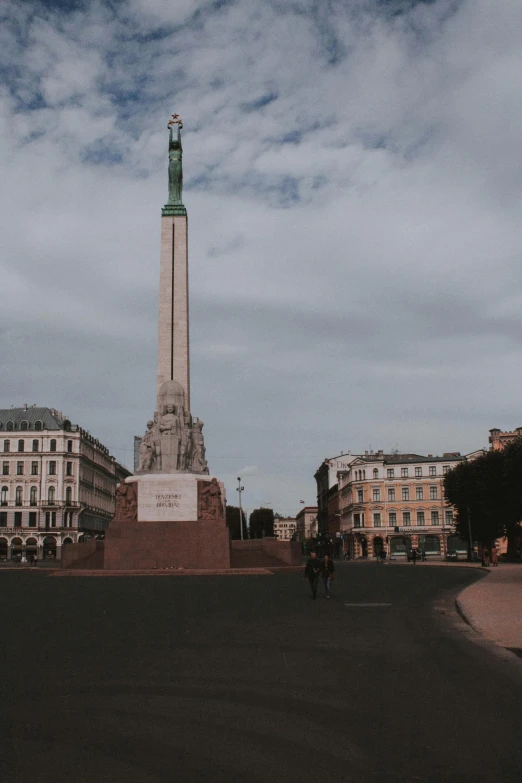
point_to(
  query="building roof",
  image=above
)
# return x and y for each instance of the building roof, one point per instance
(401, 459)
(50, 418)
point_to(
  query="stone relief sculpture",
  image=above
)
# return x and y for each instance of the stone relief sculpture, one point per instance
(173, 442)
(126, 502)
(210, 502)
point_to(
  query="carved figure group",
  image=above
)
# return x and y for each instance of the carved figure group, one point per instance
(126, 503)
(173, 443)
(210, 502)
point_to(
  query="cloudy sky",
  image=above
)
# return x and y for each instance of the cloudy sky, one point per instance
(353, 178)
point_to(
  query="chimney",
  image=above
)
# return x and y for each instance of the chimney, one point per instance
(25, 406)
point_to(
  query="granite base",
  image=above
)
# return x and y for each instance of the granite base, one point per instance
(199, 544)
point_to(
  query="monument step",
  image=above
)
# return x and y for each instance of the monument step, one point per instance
(254, 559)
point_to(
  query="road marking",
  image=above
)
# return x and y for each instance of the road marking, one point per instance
(367, 604)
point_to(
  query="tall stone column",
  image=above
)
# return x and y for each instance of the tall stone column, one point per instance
(173, 321)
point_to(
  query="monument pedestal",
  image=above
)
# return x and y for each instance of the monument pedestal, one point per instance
(168, 521)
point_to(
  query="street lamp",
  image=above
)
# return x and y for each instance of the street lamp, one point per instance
(240, 490)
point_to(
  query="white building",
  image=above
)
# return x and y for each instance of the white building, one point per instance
(57, 484)
(285, 528)
(306, 523)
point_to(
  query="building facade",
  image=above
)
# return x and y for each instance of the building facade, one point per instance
(284, 528)
(396, 502)
(58, 483)
(326, 478)
(499, 440)
(306, 523)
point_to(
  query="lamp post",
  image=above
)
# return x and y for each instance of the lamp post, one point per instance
(240, 490)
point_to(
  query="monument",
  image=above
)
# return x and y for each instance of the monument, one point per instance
(171, 513)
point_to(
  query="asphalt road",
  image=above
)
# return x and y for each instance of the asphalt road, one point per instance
(247, 679)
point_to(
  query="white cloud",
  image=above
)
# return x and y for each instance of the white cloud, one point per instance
(353, 185)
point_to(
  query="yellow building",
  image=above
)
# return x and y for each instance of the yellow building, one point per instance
(396, 502)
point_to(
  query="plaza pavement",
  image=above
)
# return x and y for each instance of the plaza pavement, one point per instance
(493, 605)
(247, 680)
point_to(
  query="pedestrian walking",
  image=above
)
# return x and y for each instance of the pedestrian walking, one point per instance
(414, 556)
(312, 572)
(485, 557)
(382, 555)
(327, 574)
(423, 555)
(494, 556)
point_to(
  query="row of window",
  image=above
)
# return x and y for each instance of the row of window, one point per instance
(50, 519)
(358, 519)
(24, 425)
(33, 496)
(360, 475)
(51, 468)
(35, 445)
(405, 494)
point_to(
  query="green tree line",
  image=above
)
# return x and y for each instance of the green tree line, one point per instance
(487, 495)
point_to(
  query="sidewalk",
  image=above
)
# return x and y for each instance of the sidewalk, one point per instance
(493, 605)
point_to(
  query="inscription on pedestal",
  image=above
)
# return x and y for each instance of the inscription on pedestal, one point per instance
(170, 499)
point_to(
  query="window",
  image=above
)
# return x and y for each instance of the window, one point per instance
(375, 473)
(18, 496)
(5, 468)
(53, 518)
(33, 496)
(7, 445)
(50, 496)
(376, 494)
(449, 517)
(35, 445)
(19, 468)
(34, 468)
(433, 493)
(433, 470)
(434, 517)
(18, 519)
(68, 469)
(21, 445)
(406, 518)
(52, 445)
(405, 493)
(38, 426)
(360, 496)
(419, 493)
(377, 520)
(52, 468)
(445, 468)
(32, 519)
(24, 426)
(69, 446)
(393, 518)
(357, 520)
(420, 518)
(391, 493)
(68, 496)
(9, 426)
(404, 472)
(391, 473)
(3, 518)
(3, 496)
(418, 472)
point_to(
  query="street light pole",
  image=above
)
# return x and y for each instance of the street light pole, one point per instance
(240, 490)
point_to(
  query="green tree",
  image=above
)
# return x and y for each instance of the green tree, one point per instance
(262, 523)
(232, 518)
(486, 494)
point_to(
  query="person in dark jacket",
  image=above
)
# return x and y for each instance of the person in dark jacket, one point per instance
(327, 574)
(312, 572)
